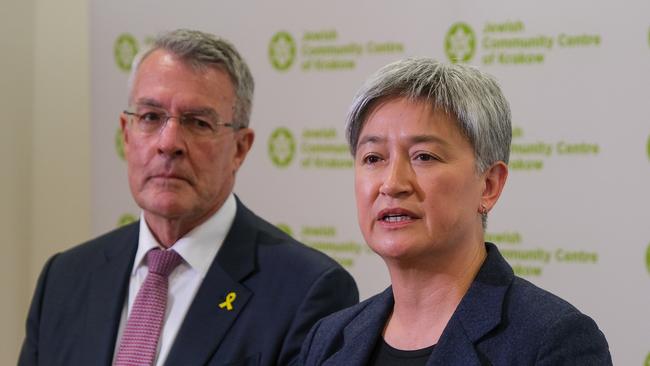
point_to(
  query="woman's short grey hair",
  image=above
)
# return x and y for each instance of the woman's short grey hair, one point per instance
(201, 50)
(472, 97)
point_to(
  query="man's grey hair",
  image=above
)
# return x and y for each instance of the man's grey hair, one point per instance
(472, 97)
(201, 50)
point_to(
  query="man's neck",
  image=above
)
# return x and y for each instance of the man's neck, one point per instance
(168, 231)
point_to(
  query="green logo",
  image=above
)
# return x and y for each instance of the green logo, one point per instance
(648, 147)
(647, 360)
(460, 43)
(647, 260)
(125, 49)
(119, 143)
(282, 147)
(126, 219)
(282, 51)
(285, 228)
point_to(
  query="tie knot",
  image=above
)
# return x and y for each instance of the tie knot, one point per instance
(162, 262)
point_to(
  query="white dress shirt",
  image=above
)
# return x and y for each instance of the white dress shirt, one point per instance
(198, 248)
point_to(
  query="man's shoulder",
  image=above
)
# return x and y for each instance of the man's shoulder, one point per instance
(114, 241)
(278, 246)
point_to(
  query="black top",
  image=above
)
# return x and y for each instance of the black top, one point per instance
(385, 355)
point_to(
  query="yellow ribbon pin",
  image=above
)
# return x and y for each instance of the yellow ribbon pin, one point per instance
(229, 300)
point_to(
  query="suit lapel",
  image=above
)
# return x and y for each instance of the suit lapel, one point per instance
(207, 323)
(357, 344)
(478, 313)
(106, 294)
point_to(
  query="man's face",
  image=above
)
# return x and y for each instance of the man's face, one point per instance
(174, 174)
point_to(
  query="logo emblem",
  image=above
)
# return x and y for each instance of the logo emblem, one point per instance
(282, 51)
(119, 143)
(282, 147)
(286, 228)
(230, 298)
(126, 219)
(647, 262)
(460, 43)
(125, 49)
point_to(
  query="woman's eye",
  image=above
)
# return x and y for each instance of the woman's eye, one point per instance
(371, 159)
(425, 157)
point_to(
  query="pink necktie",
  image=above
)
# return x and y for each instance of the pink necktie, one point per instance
(139, 342)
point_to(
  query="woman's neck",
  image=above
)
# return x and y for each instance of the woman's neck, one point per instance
(426, 295)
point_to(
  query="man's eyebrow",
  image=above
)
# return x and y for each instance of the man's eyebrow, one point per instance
(148, 102)
(205, 111)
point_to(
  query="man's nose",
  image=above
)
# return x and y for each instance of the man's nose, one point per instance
(171, 139)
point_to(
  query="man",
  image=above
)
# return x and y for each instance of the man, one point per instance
(199, 279)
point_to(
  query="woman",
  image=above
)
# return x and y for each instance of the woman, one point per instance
(431, 144)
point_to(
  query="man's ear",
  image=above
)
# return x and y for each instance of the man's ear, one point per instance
(125, 132)
(494, 179)
(244, 141)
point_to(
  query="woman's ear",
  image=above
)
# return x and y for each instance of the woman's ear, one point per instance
(494, 181)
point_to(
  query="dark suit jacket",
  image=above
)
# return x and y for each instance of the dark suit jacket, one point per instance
(501, 320)
(282, 288)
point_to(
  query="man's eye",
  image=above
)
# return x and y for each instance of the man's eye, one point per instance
(151, 117)
(197, 123)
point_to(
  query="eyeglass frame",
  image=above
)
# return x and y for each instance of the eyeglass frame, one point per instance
(182, 120)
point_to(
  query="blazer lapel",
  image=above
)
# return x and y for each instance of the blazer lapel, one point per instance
(357, 344)
(207, 322)
(106, 294)
(478, 313)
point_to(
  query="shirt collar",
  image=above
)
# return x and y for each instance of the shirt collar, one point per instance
(199, 247)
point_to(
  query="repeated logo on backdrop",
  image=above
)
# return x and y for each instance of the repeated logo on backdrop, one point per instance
(460, 43)
(647, 258)
(124, 50)
(510, 43)
(314, 148)
(282, 147)
(282, 51)
(126, 219)
(328, 240)
(119, 143)
(532, 154)
(324, 50)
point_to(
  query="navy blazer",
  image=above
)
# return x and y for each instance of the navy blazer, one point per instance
(282, 288)
(501, 320)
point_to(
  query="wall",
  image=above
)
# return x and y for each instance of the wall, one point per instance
(16, 91)
(44, 148)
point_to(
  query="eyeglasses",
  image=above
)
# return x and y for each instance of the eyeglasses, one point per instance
(151, 122)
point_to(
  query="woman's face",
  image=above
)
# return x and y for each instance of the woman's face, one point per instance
(417, 190)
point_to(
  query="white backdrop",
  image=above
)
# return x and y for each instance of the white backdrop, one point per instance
(573, 217)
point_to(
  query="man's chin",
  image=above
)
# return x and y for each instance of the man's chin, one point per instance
(169, 208)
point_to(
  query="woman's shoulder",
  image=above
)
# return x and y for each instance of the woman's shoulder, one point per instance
(532, 301)
(373, 307)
